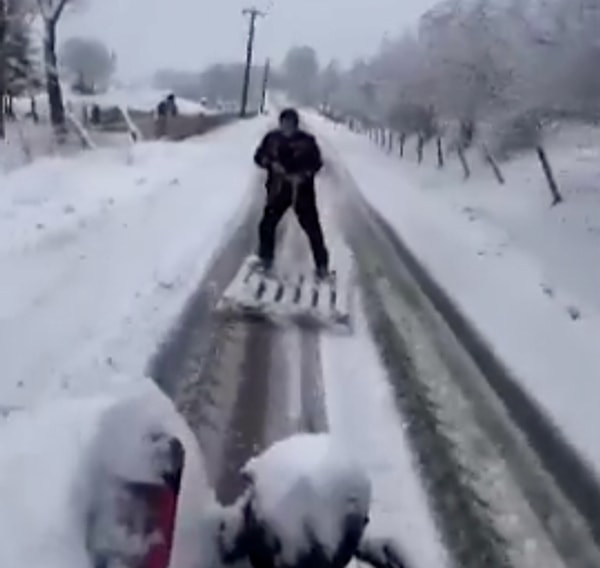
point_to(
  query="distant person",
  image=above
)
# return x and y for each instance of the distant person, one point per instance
(172, 109)
(96, 116)
(292, 159)
(167, 107)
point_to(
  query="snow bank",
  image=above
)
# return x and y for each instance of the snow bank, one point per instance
(497, 280)
(98, 255)
(24, 142)
(42, 455)
(60, 465)
(304, 490)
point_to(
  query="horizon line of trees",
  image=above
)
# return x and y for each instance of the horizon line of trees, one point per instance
(494, 73)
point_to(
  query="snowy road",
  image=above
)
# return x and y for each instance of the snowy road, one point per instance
(243, 385)
(455, 481)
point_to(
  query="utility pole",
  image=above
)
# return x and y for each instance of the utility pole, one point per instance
(263, 101)
(253, 13)
(3, 63)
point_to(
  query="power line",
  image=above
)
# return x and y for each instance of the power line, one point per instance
(253, 13)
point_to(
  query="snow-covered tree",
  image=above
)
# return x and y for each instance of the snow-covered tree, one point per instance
(89, 63)
(16, 63)
(466, 59)
(301, 71)
(568, 50)
(223, 83)
(485, 72)
(329, 82)
(22, 71)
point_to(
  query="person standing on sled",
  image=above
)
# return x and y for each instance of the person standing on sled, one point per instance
(292, 159)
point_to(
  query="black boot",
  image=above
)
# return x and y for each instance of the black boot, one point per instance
(322, 272)
(263, 265)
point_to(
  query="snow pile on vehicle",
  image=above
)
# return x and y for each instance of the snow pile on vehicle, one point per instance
(63, 467)
(303, 490)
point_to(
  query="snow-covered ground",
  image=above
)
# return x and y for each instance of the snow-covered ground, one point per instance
(363, 418)
(564, 240)
(25, 141)
(526, 275)
(99, 253)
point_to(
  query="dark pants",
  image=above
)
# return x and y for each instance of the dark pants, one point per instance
(279, 198)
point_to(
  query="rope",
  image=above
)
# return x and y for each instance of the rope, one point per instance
(294, 182)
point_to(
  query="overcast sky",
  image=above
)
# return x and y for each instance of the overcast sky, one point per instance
(189, 34)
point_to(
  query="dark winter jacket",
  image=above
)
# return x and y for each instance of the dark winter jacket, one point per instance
(298, 154)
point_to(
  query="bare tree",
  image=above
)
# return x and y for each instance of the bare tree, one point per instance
(51, 11)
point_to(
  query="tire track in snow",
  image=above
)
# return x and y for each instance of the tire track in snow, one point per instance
(270, 405)
(246, 433)
(362, 414)
(305, 349)
(241, 384)
(485, 483)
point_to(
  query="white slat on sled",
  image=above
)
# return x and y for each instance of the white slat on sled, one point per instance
(308, 289)
(236, 289)
(242, 290)
(285, 291)
(343, 304)
(296, 297)
(271, 287)
(324, 301)
(251, 289)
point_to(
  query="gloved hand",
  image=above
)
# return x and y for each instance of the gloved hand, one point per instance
(299, 177)
(278, 169)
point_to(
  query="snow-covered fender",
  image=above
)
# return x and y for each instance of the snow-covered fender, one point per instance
(136, 474)
(162, 504)
(133, 520)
